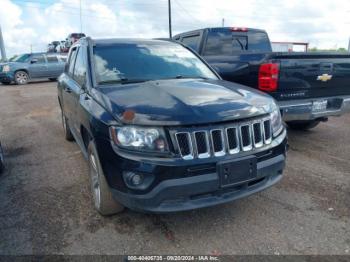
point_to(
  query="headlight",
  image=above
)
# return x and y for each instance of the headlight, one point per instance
(139, 138)
(276, 120)
(6, 68)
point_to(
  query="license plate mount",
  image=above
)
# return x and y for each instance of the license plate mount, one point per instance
(237, 171)
(319, 105)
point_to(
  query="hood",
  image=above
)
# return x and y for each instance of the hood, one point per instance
(184, 101)
(11, 64)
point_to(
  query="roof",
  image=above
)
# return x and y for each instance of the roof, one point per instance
(109, 41)
(217, 28)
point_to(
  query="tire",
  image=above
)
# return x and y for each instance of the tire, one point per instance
(66, 129)
(53, 79)
(6, 83)
(21, 78)
(302, 125)
(102, 196)
(2, 166)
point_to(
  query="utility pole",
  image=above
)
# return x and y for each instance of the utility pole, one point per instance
(2, 47)
(81, 25)
(169, 10)
(223, 22)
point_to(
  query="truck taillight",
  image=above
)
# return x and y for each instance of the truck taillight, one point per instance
(268, 77)
(239, 29)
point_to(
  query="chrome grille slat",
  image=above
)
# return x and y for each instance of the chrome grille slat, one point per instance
(232, 140)
(246, 137)
(218, 142)
(226, 139)
(258, 139)
(202, 144)
(267, 131)
(184, 142)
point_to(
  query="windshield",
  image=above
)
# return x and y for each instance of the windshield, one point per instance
(20, 58)
(150, 61)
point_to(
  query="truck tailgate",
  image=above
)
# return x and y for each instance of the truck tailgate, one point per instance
(312, 75)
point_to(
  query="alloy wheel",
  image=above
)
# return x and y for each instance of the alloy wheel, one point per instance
(21, 77)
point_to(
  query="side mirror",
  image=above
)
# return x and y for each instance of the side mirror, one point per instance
(33, 61)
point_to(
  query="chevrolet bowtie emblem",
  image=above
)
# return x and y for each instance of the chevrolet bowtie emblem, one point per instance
(324, 77)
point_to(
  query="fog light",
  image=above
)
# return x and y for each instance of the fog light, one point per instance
(133, 179)
(136, 179)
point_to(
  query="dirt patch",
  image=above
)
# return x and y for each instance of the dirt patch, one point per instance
(39, 113)
(16, 151)
(326, 195)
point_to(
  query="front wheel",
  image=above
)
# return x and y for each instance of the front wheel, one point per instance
(102, 196)
(21, 78)
(303, 125)
(66, 129)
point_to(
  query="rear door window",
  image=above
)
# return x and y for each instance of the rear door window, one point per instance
(52, 59)
(40, 59)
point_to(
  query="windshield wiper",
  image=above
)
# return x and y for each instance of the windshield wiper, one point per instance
(123, 81)
(187, 77)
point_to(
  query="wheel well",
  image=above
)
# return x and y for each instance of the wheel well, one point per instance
(86, 136)
(24, 70)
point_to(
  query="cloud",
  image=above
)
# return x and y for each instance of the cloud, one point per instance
(26, 23)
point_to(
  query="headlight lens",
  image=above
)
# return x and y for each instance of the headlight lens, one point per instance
(276, 120)
(139, 138)
(6, 68)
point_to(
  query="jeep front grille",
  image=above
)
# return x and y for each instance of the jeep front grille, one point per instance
(221, 140)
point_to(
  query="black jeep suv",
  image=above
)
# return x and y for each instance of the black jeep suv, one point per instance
(162, 132)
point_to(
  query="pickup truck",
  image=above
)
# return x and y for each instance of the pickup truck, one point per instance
(26, 67)
(162, 132)
(309, 87)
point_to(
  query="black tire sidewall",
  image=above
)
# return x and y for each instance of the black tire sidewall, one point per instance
(108, 205)
(66, 129)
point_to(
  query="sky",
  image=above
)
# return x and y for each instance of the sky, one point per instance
(33, 24)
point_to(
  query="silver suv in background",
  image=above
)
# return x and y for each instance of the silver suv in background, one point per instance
(25, 67)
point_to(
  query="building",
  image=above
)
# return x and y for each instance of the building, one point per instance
(289, 46)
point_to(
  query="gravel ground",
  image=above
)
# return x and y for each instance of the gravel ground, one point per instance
(46, 207)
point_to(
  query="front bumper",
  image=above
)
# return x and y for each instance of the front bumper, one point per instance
(201, 191)
(6, 77)
(302, 109)
(204, 190)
